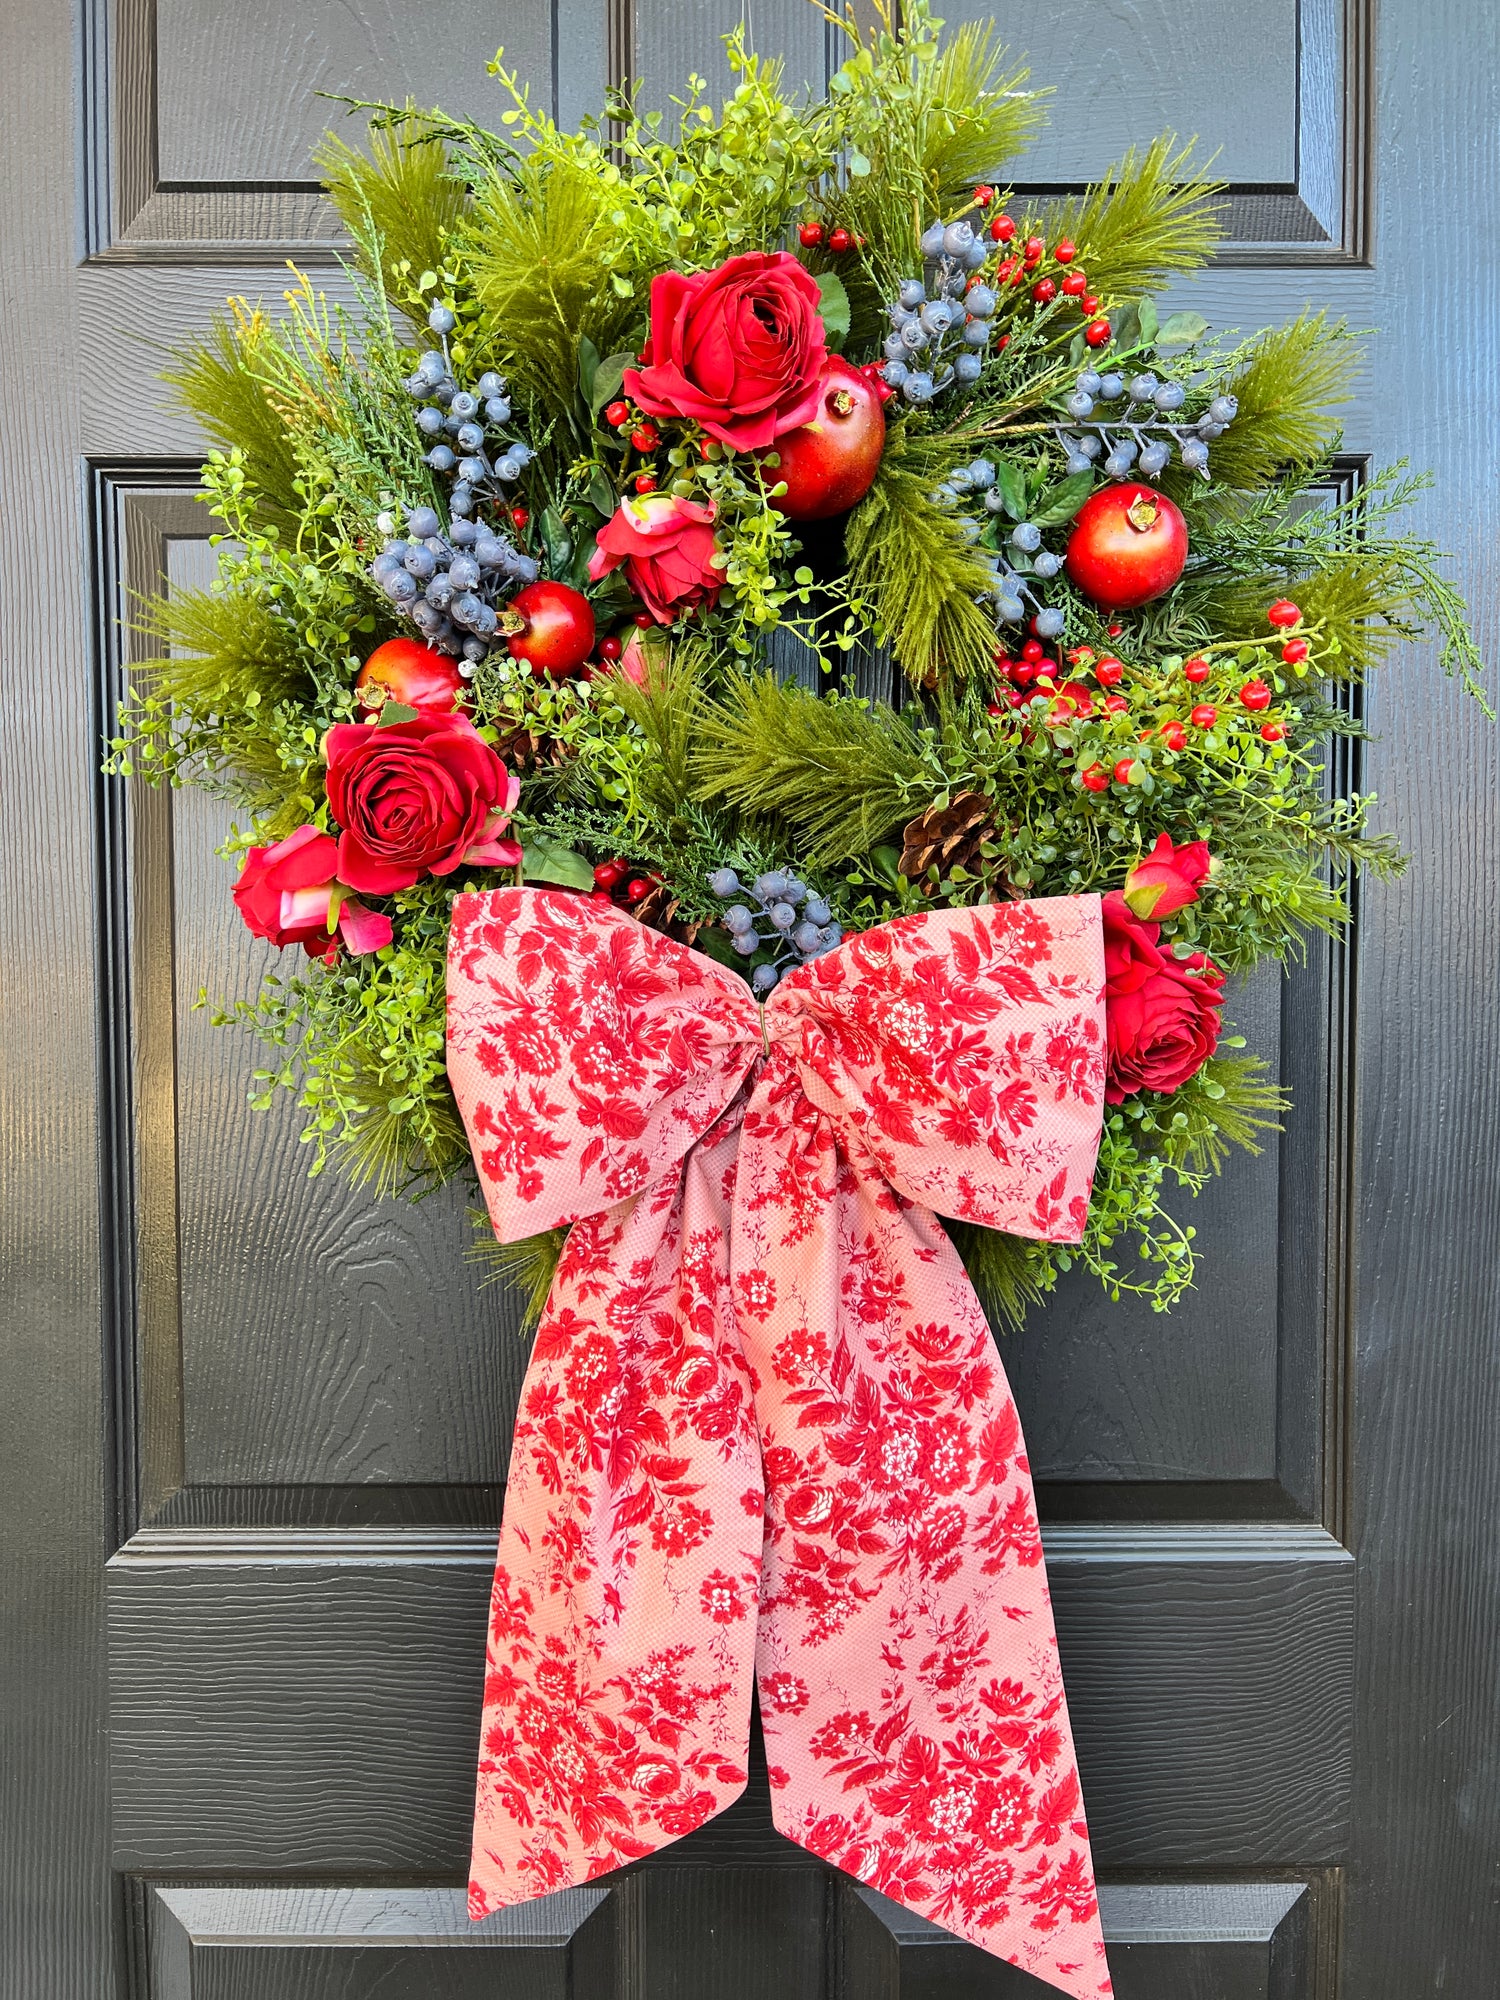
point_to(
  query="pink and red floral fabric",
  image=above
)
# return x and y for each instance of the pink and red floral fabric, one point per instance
(765, 1433)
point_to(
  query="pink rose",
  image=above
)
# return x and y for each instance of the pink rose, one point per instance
(1168, 878)
(739, 350)
(667, 546)
(285, 893)
(417, 798)
(1161, 1013)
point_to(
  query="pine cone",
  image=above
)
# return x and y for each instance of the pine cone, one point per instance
(524, 752)
(947, 837)
(658, 910)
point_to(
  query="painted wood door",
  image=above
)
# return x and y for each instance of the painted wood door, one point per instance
(263, 1425)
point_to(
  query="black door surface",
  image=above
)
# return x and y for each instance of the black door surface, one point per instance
(253, 1429)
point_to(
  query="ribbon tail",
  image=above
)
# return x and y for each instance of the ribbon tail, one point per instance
(916, 1726)
(621, 1639)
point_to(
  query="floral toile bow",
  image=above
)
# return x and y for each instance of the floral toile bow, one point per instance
(765, 1436)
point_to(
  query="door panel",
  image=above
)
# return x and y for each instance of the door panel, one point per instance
(305, 1399)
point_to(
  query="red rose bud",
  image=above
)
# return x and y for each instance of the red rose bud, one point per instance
(739, 350)
(417, 798)
(285, 893)
(1283, 612)
(666, 545)
(1161, 1013)
(1168, 878)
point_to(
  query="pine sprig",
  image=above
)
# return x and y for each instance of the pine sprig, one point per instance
(401, 201)
(1150, 218)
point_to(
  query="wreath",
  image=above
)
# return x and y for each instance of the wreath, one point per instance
(570, 552)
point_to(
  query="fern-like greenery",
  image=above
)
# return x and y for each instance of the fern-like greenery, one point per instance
(837, 773)
(400, 200)
(1152, 217)
(216, 382)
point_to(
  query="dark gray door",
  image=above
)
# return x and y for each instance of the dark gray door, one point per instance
(267, 1424)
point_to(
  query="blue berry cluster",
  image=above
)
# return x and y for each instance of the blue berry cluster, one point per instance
(798, 923)
(940, 316)
(1141, 435)
(1012, 588)
(452, 585)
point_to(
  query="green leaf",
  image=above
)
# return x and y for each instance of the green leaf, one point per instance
(859, 166)
(544, 860)
(588, 366)
(599, 493)
(1183, 329)
(1146, 314)
(1125, 326)
(834, 306)
(1061, 502)
(1011, 480)
(395, 711)
(608, 378)
(556, 540)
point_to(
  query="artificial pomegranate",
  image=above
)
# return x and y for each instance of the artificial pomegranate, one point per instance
(551, 627)
(1128, 545)
(831, 462)
(412, 674)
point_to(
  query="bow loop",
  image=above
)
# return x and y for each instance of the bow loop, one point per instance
(587, 1053)
(962, 1052)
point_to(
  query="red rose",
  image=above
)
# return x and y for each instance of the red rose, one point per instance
(1161, 1013)
(1168, 878)
(667, 546)
(285, 894)
(739, 350)
(417, 798)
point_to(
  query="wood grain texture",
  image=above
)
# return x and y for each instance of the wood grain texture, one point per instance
(337, 1674)
(317, 1943)
(1192, 1940)
(760, 1932)
(56, 1911)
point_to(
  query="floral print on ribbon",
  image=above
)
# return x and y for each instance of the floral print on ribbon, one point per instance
(765, 1433)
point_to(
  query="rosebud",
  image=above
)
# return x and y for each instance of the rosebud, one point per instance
(1167, 879)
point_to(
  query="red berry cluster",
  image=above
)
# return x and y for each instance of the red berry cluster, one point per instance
(643, 434)
(1025, 268)
(621, 883)
(812, 235)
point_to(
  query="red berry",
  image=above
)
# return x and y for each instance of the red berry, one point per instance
(637, 888)
(1204, 716)
(984, 196)
(1034, 248)
(1284, 612)
(610, 648)
(644, 620)
(1065, 251)
(1255, 695)
(1002, 343)
(1096, 332)
(1294, 652)
(519, 517)
(1123, 770)
(811, 234)
(1032, 652)
(645, 482)
(609, 874)
(645, 437)
(1044, 291)
(1109, 672)
(617, 414)
(1002, 229)
(1088, 305)
(1022, 671)
(1272, 732)
(1173, 735)
(1094, 779)
(600, 896)
(1075, 284)
(1006, 271)
(1116, 704)
(1114, 631)
(1020, 273)
(840, 241)
(1196, 670)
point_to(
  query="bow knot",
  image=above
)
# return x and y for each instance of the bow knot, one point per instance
(765, 1434)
